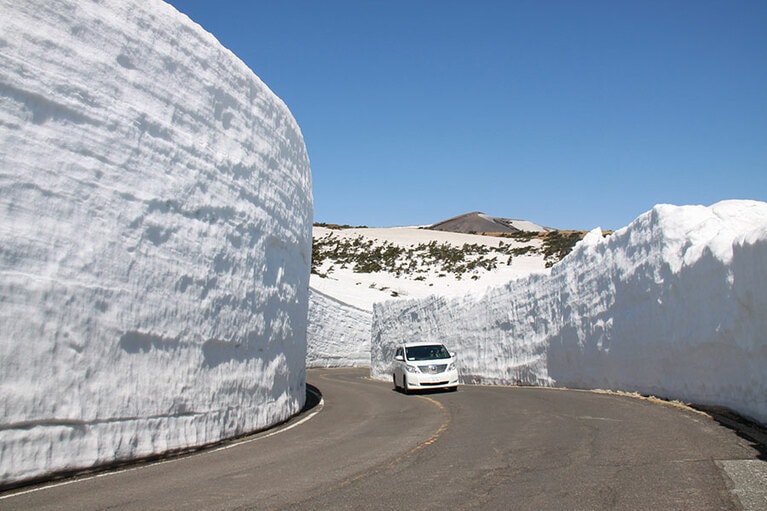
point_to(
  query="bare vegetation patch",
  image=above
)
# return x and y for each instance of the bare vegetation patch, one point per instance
(365, 255)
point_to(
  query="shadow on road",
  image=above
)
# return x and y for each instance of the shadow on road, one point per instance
(755, 434)
(425, 392)
(313, 398)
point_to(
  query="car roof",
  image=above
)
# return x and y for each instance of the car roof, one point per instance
(414, 344)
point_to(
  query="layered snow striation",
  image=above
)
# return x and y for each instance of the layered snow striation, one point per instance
(672, 305)
(338, 334)
(155, 238)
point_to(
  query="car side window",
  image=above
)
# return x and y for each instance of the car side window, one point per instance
(398, 353)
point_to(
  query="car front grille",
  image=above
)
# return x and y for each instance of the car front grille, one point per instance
(434, 368)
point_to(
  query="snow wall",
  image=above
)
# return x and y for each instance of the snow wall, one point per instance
(338, 334)
(674, 305)
(155, 238)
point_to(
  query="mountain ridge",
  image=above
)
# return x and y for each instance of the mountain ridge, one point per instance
(478, 222)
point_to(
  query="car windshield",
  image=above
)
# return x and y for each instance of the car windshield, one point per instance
(432, 352)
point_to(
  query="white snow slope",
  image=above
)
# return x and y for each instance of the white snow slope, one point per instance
(338, 334)
(155, 238)
(673, 305)
(341, 302)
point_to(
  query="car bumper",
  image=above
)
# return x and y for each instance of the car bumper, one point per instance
(432, 381)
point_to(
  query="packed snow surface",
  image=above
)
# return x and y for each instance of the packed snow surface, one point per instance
(155, 238)
(674, 305)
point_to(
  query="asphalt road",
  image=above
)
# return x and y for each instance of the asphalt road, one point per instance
(368, 447)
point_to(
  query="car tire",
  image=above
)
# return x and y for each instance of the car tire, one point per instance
(405, 388)
(394, 380)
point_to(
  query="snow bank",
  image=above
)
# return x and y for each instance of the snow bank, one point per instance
(338, 334)
(155, 238)
(672, 305)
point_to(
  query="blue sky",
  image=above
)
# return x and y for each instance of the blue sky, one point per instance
(571, 114)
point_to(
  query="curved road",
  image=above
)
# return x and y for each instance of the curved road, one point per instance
(368, 447)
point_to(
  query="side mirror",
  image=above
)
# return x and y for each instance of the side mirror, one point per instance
(452, 354)
(399, 358)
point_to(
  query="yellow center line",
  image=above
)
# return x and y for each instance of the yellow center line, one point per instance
(429, 441)
(433, 438)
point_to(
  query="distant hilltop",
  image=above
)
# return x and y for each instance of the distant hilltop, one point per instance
(477, 222)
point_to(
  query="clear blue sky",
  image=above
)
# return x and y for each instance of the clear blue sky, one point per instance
(571, 114)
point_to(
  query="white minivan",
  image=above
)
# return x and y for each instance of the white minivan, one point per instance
(424, 365)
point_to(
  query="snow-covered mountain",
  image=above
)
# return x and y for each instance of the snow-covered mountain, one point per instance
(155, 238)
(353, 268)
(672, 305)
(478, 222)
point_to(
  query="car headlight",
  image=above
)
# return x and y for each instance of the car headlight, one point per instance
(451, 367)
(411, 369)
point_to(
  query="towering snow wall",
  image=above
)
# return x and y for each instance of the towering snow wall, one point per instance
(673, 305)
(338, 334)
(155, 238)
